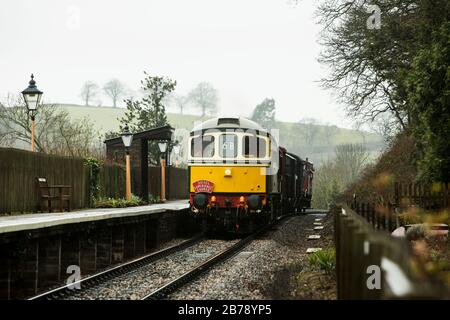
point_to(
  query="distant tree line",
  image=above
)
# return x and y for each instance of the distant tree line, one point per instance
(203, 96)
(114, 89)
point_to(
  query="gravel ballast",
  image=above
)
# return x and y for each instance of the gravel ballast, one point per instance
(269, 268)
(140, 282)
(274, 266)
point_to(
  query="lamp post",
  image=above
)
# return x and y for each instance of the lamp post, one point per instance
(32, 96)
(163, 148)
(127, 138)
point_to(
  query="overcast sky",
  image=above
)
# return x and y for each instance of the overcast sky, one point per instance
(248, 49)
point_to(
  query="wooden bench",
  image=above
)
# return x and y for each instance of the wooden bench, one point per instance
(50, 193)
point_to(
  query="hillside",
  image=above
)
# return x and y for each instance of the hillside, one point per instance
(315, 141)
(106, 117)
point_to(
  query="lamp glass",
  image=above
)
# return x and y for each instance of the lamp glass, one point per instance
(32, 95)
(127, 139)
(162, 146)
(32, 100)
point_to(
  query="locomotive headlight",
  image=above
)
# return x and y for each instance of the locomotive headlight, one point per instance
(228, 172)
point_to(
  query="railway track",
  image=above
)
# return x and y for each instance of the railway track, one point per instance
(122, 269)
(216, 259)
(96, 280)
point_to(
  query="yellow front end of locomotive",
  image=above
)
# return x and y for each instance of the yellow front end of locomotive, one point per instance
(231, 179)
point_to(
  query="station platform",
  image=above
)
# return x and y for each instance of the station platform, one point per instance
(44, 220)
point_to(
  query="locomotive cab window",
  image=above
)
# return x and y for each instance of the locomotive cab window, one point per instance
(253, 147)
(228, 145)
(202, 146)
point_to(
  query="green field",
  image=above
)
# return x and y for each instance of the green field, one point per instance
(322, 147)
(105, 118)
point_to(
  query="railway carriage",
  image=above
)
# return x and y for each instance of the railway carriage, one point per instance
(239, 178)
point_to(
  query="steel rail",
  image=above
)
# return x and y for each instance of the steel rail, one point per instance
(103, 276)
(195, 272)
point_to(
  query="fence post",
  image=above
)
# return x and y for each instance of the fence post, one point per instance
(362, 209)
(422, 198)
(358, 268)
(337, 243)
(446, 196)
(372, 214)
(344, 257)
(397, 194)
(410, 194)
(391, 217)
(347, 258)
(340, 263)
(353, 206)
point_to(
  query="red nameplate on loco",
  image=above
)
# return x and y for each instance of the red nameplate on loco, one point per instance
(203, 186)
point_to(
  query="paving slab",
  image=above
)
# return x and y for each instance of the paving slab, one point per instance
(312, 250)
(45, 220)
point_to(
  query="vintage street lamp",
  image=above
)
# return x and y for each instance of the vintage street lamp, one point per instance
(176, 150)
(32, 96)
(163, 149)
(127, 138)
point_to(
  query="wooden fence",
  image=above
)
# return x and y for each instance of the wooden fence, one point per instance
(378, 216)
(20, 168)
(112, 181)
(371, 264)
(178, 183)
(385, 216)
(428, 196)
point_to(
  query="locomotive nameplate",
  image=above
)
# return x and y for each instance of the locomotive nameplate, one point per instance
(203, 186)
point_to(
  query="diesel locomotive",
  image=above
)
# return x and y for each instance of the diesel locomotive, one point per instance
(240, 178)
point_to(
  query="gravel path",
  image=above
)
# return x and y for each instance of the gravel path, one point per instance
(142, 281)
(265, 268)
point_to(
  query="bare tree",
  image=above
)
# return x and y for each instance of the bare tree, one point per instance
(179, 101)
(330, 131)
(327, 185)
(89, 91)
(56, 132)
(385, 127)
(310, 129)
(366, 65)
(350, 161)
(334, 176)
(205, 97)
(114, 89)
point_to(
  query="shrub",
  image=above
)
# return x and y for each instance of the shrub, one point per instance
(153, 198)
(117, 203)
(94, 182)
(323, 260)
